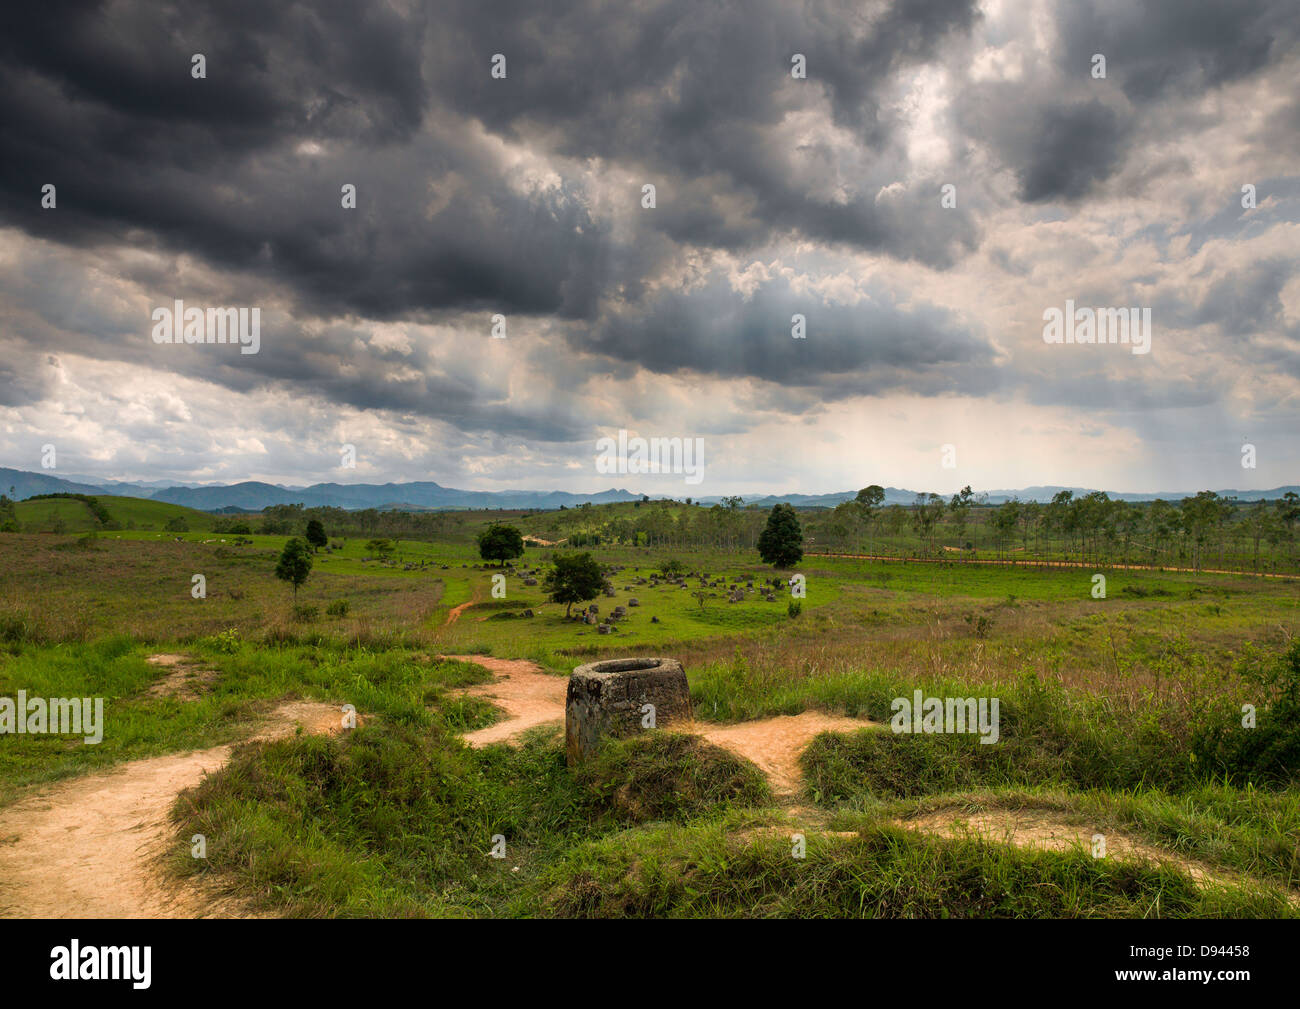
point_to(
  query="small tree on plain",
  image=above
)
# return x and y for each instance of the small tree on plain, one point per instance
(295, 564)
(781, 542)
(574, 580)
(316, 534)
(500, 543)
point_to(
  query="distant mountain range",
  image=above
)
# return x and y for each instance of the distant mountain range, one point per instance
(426, 495)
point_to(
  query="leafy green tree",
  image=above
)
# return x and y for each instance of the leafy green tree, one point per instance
(500, 543)
(1004, 521)
(316, 534)
(960, 507)
(381, 548)
(574, 579)
(1203, 517)
(926, 512)
(871, 498)
(295, 564)
(781, 542)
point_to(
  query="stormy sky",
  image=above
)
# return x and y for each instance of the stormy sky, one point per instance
(775, 195)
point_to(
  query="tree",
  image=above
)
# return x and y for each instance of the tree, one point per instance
(500, 543)
(382, 548)
(926, 512)
(673, 568)
(1203, 516)
(960, 506)
(295, 564)
(1005, 519)
(869, 500)
(781, 542)
(871, 497)
(316, 534)
(574, 580)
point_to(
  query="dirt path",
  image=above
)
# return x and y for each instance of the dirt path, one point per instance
(1049, 830)
(533, 697)
(774, 744)
(529, 696)
(89, 848)
(456, 611)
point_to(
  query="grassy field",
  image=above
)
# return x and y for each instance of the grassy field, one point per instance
(72, 515)
(1119, 715)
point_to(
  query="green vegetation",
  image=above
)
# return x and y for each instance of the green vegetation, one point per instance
(781, 542)
(1123, 715)
(574, 579)
(84, 513)
(294, 564)
(500, 543)
(315, 535)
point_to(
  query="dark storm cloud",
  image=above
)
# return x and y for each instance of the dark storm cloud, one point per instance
(849, 350)
(1068, 148)
(1057, 147)
(1063, 133)
(694, 95)
(98, 100)
(521, 195)
(23, 380)
(1168, 48)
(1244, 307)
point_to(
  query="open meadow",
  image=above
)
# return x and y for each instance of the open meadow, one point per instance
(1122, 782)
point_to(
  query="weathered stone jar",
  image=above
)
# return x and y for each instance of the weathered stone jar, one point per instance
(611, 698)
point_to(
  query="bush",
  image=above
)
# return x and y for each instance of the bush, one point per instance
(794, 609)
(669, 776)
(304, 613)
(228, 641)
(1270, 750)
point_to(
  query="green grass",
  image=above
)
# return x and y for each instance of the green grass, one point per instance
(702, 870)
(67, 515)
(393, 684)
(1122, 712)
(397, 822)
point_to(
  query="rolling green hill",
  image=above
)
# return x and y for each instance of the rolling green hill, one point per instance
(72, 515)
